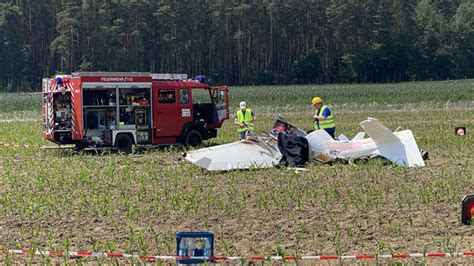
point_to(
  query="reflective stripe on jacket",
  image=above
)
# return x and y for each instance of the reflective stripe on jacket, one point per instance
(247, 120)
(326, 123)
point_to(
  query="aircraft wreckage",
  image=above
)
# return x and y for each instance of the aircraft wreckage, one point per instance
(289, 146)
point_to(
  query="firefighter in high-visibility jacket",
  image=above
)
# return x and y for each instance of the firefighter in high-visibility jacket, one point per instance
(323, 118)
(244, 120)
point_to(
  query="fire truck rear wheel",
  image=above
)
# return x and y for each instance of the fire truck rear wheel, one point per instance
(79, 146)
(123, 143)
(193, 138)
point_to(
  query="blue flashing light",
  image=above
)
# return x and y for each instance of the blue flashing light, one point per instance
(58, 80)
(201, 79)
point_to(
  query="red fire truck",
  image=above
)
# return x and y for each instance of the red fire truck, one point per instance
(95, 110)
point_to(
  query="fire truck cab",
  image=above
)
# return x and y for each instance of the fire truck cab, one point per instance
(95, 110)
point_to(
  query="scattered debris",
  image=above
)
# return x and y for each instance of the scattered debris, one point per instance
(286, 145)
(399, 147)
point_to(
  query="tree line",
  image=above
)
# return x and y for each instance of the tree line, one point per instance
(239, 42)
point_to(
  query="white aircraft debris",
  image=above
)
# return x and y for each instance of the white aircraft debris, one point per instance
(399, 147)
(256, 152)
(264, 152)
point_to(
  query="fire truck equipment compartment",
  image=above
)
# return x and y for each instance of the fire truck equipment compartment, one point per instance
(149, 109)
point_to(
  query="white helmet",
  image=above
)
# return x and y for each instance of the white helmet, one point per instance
(243, 105)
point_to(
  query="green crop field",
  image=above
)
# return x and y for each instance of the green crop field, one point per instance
(57, 200)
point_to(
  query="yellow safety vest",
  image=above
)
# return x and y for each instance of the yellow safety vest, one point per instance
(247, 119)
(327, 123)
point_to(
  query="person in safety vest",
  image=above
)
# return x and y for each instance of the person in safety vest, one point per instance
(323, 118)
(244, 120)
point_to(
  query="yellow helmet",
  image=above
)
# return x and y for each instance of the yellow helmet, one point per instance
(316, 100)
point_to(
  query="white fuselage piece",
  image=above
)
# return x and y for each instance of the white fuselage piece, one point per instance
(258, 153)
(398, 147)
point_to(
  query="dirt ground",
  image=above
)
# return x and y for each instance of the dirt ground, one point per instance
(328, 221)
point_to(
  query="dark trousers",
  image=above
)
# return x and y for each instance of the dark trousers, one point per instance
(331, 131)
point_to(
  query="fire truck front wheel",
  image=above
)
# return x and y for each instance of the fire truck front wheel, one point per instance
(193, 138)
(123, 143)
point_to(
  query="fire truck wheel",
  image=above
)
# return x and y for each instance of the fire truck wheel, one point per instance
(79, 146)
(123, 143)
(193, 138)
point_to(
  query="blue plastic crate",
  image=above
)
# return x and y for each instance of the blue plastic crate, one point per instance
(194, 244)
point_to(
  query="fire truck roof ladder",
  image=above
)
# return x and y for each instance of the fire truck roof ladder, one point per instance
(154, 76)
(169, 76)
(111, 74)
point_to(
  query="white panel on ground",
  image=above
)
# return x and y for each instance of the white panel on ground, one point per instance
(236, 155)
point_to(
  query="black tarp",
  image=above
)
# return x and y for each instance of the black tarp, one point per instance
(295, 150)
